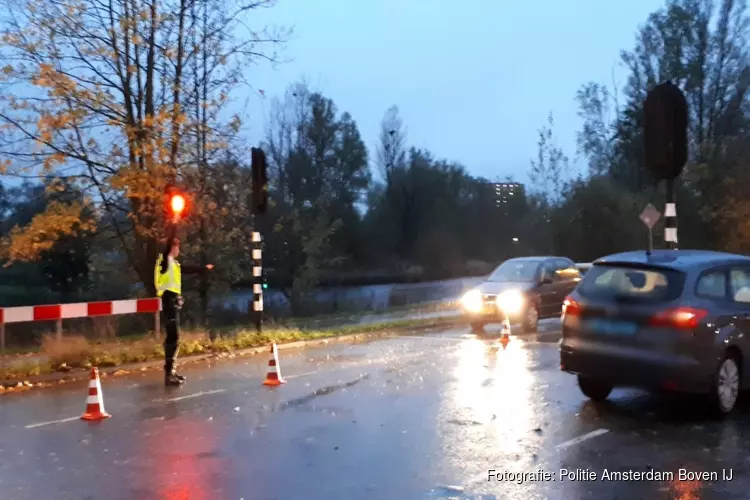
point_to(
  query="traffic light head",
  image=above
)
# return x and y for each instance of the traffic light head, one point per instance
(665, 131)
(260, 181)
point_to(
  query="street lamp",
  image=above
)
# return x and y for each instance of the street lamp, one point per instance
(515, 240)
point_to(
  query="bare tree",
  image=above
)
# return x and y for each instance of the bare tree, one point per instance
(597, 138)
(391, 151)
(550, 171)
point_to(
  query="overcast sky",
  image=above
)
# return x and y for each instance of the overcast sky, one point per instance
(474, 79)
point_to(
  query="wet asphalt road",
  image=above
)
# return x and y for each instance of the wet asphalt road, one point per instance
(412, 417)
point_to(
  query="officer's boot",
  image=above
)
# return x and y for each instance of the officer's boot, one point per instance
(171, 380)
(179, 377)
(170, 376)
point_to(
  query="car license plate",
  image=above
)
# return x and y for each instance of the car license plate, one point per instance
(611, 328)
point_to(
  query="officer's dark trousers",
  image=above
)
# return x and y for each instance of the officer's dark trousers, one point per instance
(172, 326)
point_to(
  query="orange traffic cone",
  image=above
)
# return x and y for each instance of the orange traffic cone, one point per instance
(94, 401)
(505, 333)
(274, 373)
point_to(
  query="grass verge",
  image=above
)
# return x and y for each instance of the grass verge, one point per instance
(340, 319)
(75, 353)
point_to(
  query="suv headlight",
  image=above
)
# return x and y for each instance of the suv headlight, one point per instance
(511, 301)
(472, 301)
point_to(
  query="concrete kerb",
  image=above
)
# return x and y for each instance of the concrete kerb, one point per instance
(72, 376)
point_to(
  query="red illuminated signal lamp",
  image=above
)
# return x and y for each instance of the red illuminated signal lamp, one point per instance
(177, 204)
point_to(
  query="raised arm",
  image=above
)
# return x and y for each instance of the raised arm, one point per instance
(188, 269)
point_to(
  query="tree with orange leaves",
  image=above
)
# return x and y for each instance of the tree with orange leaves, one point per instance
(95, 92)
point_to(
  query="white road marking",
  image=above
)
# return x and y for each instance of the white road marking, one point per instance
(582, 438)
(298, 375)
(190, 396)
(42, 424)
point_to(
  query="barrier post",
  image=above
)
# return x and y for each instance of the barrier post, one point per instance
(157, 324)
(58, 329)
(2, 339)
(258, 279)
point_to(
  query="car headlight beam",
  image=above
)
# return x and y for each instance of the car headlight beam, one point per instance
(472, 301)
(511, 301)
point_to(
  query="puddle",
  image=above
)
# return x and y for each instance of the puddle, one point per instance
(323, 391)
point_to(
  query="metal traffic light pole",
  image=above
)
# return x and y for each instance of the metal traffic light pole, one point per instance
(259, 207)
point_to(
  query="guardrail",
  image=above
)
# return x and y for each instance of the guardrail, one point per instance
(59, 312)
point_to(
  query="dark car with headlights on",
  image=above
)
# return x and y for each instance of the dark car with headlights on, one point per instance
(674, 320)
(523, 289)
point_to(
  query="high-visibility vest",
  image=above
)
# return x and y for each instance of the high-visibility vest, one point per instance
(170, 280)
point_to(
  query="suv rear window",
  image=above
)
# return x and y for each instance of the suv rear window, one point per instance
(632, 283)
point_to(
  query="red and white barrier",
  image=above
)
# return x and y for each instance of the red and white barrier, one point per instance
(53, 312)
(59, 312)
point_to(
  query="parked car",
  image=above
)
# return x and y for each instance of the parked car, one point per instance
(523, 289)
(674, 320)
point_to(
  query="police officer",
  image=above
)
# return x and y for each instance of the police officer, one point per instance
(168, 282)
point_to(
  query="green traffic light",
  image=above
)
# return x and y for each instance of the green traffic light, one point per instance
(265, 285)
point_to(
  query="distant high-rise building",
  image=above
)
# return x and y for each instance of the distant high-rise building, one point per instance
(506, 192)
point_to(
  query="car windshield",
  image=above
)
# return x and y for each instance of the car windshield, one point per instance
(629, 283)
(516, 270)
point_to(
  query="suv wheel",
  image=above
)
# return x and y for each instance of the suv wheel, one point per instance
(595, 390)
(530, 319)
(726, 386)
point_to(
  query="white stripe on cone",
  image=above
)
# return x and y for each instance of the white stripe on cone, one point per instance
(506, 327)
(276, 367)
(99, 396)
